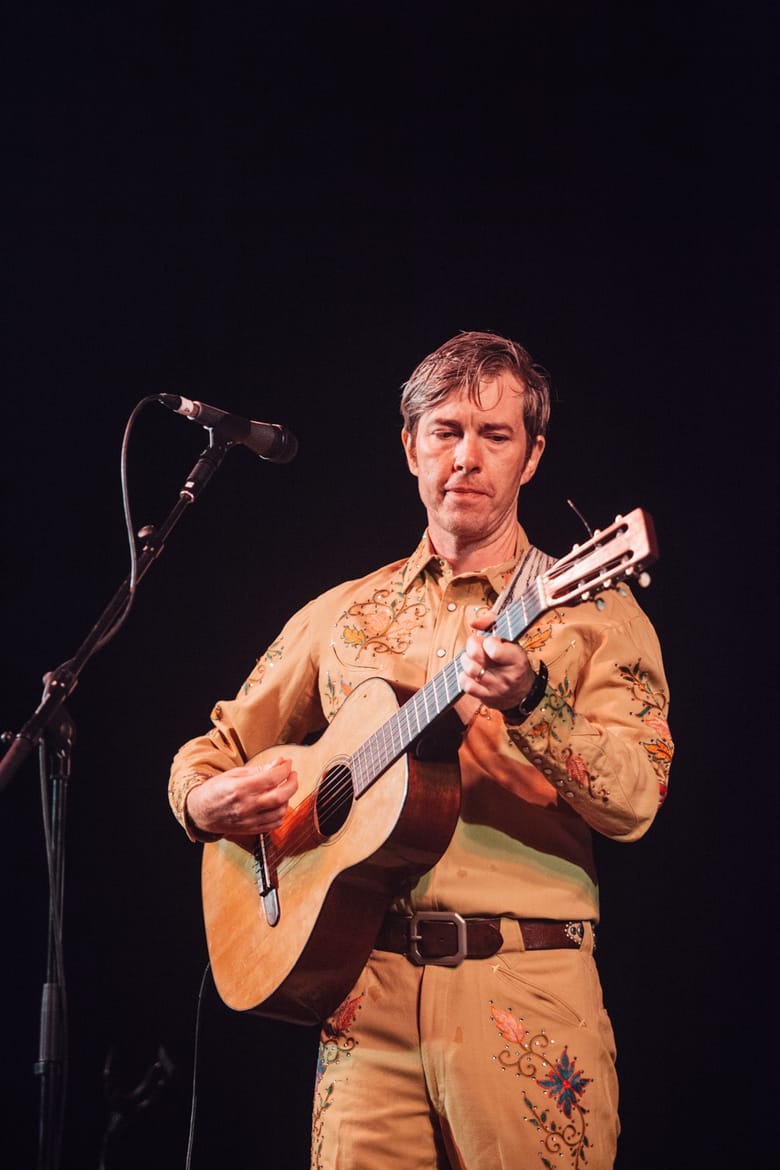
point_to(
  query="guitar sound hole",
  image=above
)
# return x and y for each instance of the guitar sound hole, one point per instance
(334, 800)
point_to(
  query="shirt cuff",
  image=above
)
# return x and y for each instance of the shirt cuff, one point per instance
(178, 792)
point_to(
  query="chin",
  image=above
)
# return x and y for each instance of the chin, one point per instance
(473, 529)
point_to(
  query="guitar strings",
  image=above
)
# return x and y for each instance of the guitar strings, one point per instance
(346, 782)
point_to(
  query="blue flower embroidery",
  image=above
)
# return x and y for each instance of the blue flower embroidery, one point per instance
(565, 1084)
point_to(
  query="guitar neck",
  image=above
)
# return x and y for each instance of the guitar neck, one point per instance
(398, 733)
(620, 551)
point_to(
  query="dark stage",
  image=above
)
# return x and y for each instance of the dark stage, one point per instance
(279, 211)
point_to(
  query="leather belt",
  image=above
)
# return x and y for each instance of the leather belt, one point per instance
(443, 938)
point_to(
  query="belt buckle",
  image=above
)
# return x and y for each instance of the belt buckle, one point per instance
(453, 960)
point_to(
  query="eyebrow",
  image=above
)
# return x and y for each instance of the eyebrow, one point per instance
(441, 420)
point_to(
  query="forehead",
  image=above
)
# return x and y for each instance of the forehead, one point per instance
(493, 398)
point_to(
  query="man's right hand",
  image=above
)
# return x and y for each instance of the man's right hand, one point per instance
(242, 801)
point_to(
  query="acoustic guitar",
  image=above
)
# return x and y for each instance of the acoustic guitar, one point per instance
(291, 915)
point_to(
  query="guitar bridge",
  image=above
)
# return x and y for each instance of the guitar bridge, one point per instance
(265, 878)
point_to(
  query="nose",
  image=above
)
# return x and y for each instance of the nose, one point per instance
(466, 455)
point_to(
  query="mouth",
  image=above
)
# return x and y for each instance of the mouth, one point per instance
(463, 497)
(462, 489)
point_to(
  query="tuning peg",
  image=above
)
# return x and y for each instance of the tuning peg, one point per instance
(643, 579)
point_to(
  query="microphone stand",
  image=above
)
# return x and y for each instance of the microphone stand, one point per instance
(55, 758)
(51, 729)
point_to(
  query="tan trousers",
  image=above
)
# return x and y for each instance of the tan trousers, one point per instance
(503, 1063)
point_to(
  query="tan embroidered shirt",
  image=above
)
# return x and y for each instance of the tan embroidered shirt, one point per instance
(594, 755)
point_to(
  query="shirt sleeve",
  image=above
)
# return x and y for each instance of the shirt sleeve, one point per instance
(278, 703)
(599, 741)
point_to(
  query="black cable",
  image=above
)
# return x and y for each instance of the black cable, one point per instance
(195, 1059)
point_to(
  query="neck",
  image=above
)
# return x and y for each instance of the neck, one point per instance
(466, 555)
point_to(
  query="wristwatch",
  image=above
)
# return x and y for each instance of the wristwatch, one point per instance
(520, 713)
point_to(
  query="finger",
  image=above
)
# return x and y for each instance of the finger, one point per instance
(483, 620)
(475, 655)
(497, 650)
(474, 670)
(266, 775)
(286, 787)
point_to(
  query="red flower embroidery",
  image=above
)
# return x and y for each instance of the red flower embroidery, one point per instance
(576, 770)
(344, 1016)
(508, 1025)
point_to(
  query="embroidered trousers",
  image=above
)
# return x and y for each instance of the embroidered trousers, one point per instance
(502, 1063)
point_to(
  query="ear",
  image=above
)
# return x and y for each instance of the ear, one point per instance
(411, 457)
(534, 456)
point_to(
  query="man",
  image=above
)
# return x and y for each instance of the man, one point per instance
(475, 1038)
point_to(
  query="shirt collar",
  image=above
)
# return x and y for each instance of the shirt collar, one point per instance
(424, 558)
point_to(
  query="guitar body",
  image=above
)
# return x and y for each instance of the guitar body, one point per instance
(335, 864)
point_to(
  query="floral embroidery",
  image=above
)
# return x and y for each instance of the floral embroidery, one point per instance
(577, 771)
(336, 1043)
(334, 693)
(508, 1025)
(254, 678)
(178, 789)
(558, 1079)
(557, 706)
(552, 729)
(330, 693)
(539, 636)
(652, 707)
(273, 652)
(385, 624)
(565, 1084)
(338, 1025)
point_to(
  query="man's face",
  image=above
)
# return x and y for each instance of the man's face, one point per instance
(471, 460)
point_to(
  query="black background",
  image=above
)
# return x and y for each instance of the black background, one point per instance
(279, 210)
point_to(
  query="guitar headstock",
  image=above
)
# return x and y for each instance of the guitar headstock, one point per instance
(622, 550)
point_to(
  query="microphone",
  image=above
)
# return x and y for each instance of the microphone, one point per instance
(268, 440)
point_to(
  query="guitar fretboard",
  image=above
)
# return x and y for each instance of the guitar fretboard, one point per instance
(398, 733)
